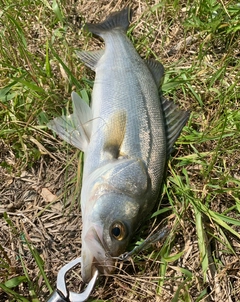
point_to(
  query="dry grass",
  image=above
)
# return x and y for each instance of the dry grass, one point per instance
(40, 219)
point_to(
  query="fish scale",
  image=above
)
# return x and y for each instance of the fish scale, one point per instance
(127, 136)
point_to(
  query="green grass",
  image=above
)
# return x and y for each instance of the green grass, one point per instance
(198, 43)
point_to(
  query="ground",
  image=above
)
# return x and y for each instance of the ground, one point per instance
(40, 218)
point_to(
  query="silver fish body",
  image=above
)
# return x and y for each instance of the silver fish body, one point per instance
(126, 137)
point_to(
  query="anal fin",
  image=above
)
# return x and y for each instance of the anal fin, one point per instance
(90, 58)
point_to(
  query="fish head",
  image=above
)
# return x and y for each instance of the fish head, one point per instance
(107, 232)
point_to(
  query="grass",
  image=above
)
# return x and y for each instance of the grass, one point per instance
(198, 43)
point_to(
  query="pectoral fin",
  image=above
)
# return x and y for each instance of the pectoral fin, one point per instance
(75, 128)
(114, 134)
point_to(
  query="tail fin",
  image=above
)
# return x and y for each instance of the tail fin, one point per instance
(115, 20)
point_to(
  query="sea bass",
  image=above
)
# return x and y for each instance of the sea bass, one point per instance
(126, 136)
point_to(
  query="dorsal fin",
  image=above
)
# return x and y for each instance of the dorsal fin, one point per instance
(157, 70)
(75, 128)
(175, 120)
(115, 20)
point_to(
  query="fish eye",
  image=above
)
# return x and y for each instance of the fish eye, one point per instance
(118, 230)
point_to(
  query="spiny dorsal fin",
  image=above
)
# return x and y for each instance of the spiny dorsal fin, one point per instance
(114, 133)
(90, 58)
(115, 20)
(157, 70)
(75, 128)
(175, 120)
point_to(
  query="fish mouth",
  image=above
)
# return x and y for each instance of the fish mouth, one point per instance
(95, 254)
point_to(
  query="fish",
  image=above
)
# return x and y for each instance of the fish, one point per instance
(127, 135)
